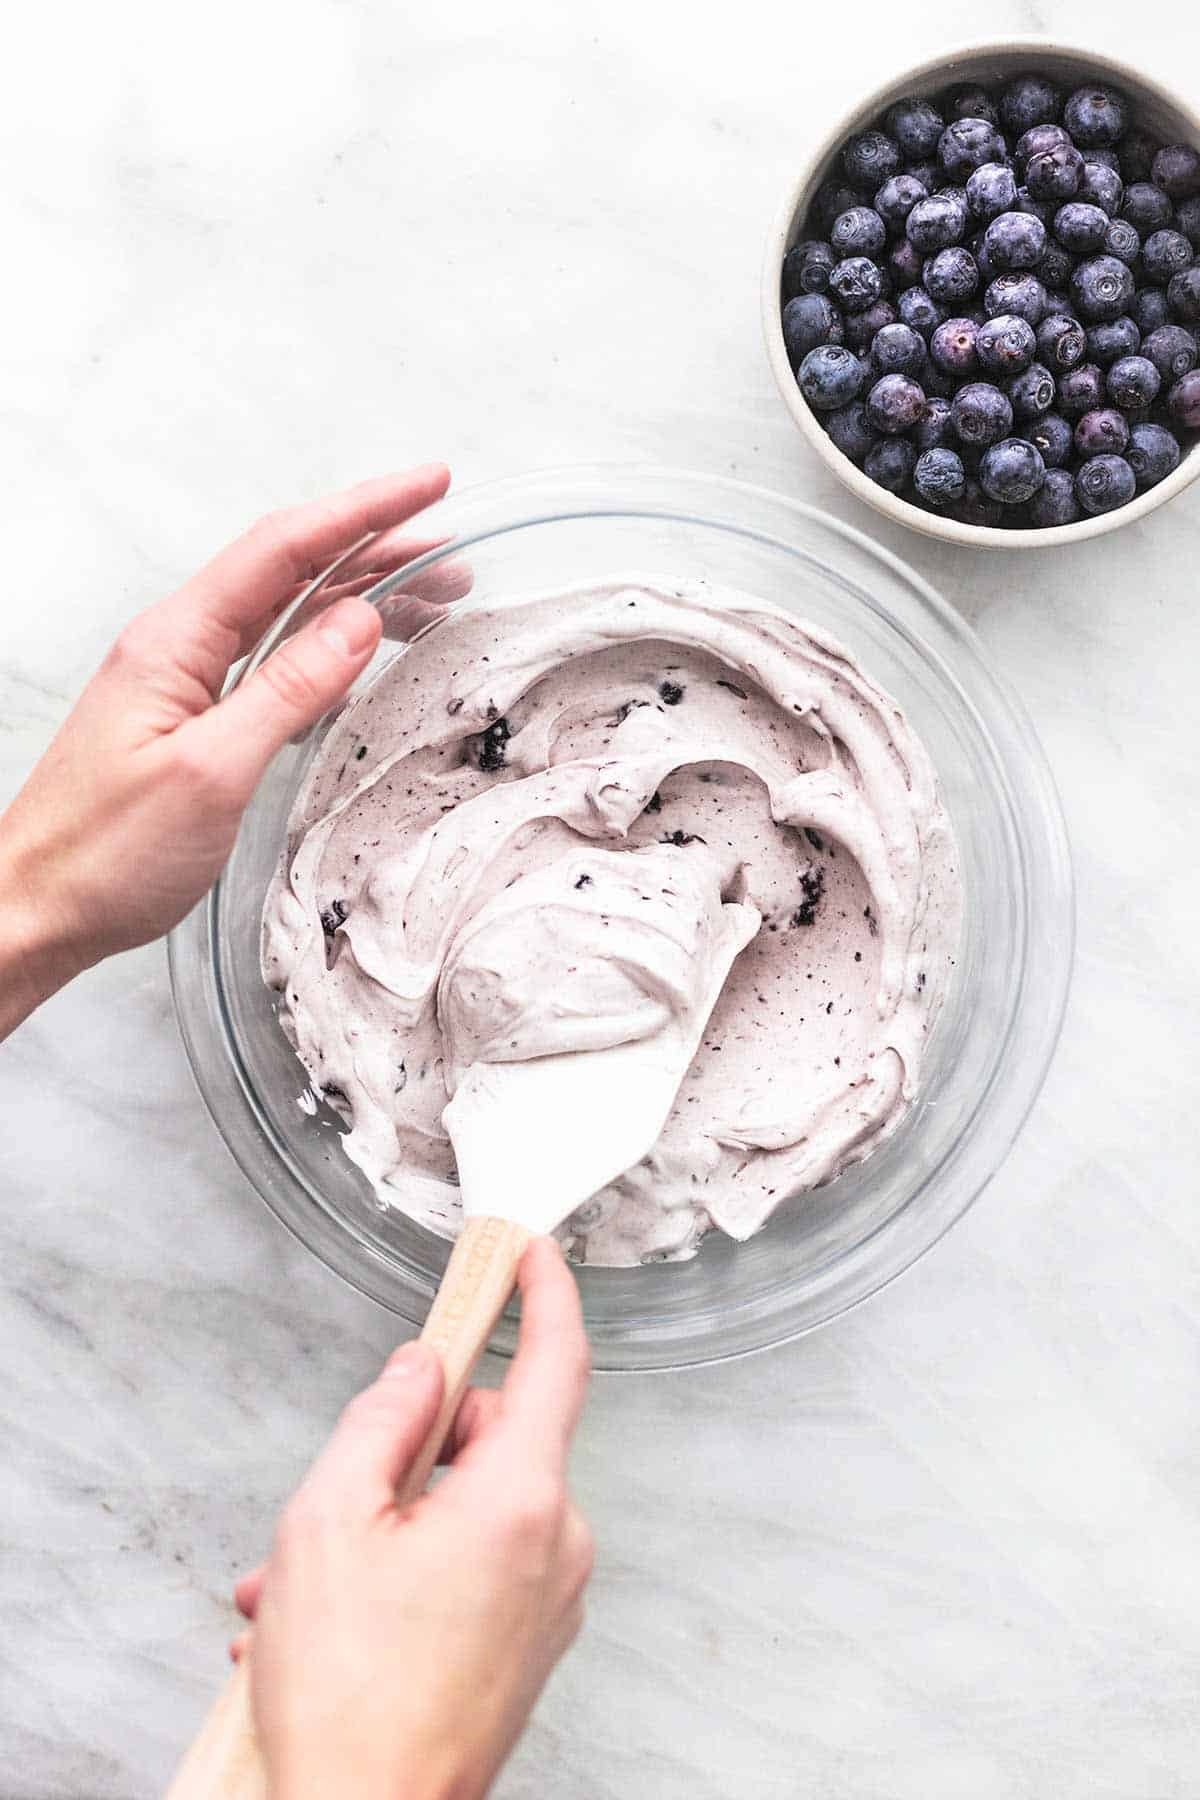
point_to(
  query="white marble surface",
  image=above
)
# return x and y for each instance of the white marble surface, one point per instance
(946, 1550)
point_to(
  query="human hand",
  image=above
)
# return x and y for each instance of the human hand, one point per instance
(397, 1652)
(130, 815)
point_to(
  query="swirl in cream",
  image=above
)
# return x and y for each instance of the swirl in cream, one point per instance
(525, 837)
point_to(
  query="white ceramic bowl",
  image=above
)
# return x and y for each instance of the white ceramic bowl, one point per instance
(1155, 109)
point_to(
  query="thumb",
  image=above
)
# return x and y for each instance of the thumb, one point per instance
(379, 1435)
(297, 683)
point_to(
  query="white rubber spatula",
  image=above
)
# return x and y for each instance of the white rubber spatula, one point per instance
(533, 1141)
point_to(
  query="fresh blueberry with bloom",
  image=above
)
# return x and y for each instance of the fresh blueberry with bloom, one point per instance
(970, 102)
(1055, 174)
(967, 144)
(1123, 240)
(1104, 483)
(916, 127)
(1021, 294)
(1096, 115)
(1056, 267)
(938, 221)
(858, 232)
(919, 309)
(1133, 382)
(1183, 401)
(1150, 310)
(1014, 240)
(862, 328)
(895, 403)
(809, 320)
(857, 282)
(1080, 390)
(1055, 502)
(1037, 141)
(952, 346)
(975, 507)
(869, 159)
(939, 476)
(1102, 289)
(850, 431)
(1108, 342)
(897, 350)
(1183, 294)
(1060, 342)
(1187, 220)
(890, 463)
(1173, 350)
(935, 427)
(831, 376)
(806, 268)
(1100, 186)
(1011, 471)
(981, 413)
(1053, 437)
(1176, 170)
(1147, 208)
(1032, 392)
(1152, 453)
(991, 189)
(1005, 344)
(1080, 226)
(1164, 254)
(833, 197)
(1029, 100)
(896, 199)
(952, 275)
(1101, 432)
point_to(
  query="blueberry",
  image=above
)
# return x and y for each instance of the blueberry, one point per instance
(928, 173)
(1173, 350)
(1100, 186)
(1152, 454)
(920, 310)
(1053, 437)
(1080, 390)
(1164, 253)
(895, 404)
(1015, 240)
(1176, 170)
(1031, 393)
(1101, 432)
(970, 103)
(1183, 294)
(1133, 382)
(952, 275)
(937, 222)
(1058, 304)
(1122, 240)
(896, 199)
(833, 197)
(1146, 207)
(1020, 294)
(1117, 338)
(916, 127)
(1150, 310)
(1056, 267)
(952, 346)
(1183, 401)
(809, 320)
(935, 427)
(1104, 483)
(904, 265)
(857, 282)
(1101, 288)
(981, 413)
(850, 431)
(1011, 471)
(1136, 153)
(1187, 220)
(870, 159)
(831, 376)
(1029, 100)
(1005, 344)
(991, 189)
(1037, 141)
(858, 232)
(862, 328)
(1028, 203)
(897, 350)
(936, 381)
(1055, 502)
(1079, 226)
(1055, 174)
(1060, 342)
(806, 268)
(890, 463)
(975, 508)
(967, 144)
(1096, 115)
(939, 476)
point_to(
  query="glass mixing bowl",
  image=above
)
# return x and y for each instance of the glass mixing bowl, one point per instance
(823, 1251)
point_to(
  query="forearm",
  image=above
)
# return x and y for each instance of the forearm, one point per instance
(36, 957)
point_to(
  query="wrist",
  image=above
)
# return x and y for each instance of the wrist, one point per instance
(37, 952)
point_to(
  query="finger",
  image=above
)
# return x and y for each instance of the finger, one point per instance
(388, 550)
(259, 570)
(297, 684)
(378, 1435)
(248, 1590)
(480, 1409)
(239, 1646)
(547, 1384)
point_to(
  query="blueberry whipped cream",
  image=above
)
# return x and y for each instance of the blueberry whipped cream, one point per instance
(634, 772)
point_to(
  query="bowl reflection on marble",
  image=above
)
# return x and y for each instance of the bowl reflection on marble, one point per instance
(823, 1251)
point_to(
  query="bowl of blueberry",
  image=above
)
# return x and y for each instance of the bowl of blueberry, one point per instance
(981, 297)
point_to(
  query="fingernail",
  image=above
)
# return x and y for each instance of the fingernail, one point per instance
(351, 626)
(409, 1359)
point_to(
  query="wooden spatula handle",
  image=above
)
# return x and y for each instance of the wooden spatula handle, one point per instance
(224, 1758)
